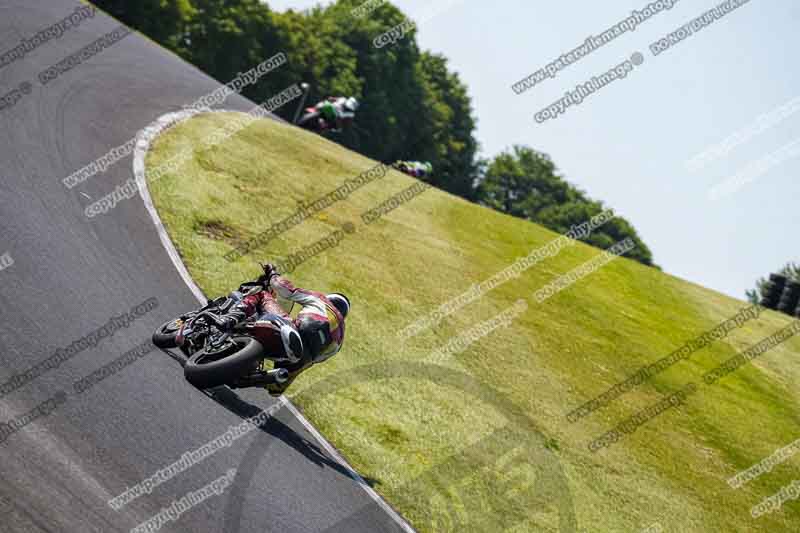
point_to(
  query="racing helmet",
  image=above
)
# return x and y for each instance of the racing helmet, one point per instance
(351, 104)
(340, 302)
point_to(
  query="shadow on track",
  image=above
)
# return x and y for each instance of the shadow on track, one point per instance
(231, 401)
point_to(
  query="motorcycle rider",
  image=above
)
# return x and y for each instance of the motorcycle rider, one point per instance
(416, 169)
(314, 336)
(337, 112)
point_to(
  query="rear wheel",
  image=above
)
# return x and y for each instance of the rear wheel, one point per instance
(165, 335)
(212, 367)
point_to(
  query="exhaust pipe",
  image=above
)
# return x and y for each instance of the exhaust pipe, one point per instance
(279, 375)
(274, 376)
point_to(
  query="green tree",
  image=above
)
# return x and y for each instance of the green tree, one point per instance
(164, 21)
(452, 128)
(224, 38)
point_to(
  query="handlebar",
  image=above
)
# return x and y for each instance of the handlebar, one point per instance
(210, 317)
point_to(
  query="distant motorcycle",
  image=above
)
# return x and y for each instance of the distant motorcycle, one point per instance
(329, 115)
(212, 357)
(415, 169)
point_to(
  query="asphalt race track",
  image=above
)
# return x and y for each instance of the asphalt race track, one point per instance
(70, 274)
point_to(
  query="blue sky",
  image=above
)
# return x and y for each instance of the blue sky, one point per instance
(629, 143)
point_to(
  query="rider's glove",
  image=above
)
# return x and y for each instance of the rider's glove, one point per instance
(227, 322)
(271, 270)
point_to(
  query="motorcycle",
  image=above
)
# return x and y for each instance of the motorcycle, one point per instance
(413, 171)
(212, 357)
(404, 168)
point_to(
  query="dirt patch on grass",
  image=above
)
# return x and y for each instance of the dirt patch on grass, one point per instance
(217, 230)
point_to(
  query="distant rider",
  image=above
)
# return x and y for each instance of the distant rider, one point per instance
(416, 169)
(337, 112)
(314, 336)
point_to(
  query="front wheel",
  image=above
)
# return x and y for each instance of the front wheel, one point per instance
(212, 367)
(165, 335)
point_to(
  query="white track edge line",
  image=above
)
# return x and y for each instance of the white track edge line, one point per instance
(143, 140)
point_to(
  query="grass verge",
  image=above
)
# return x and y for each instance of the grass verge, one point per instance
(478, 441)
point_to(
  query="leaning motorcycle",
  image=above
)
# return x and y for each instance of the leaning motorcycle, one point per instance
(314, 120)
(212, 357)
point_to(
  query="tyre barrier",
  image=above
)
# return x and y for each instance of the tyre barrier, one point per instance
(773, 291)
(789, 298)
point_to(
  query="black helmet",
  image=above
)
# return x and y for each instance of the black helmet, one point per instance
(340, 302)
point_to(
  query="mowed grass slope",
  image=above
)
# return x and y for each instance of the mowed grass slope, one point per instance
(479, 441)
